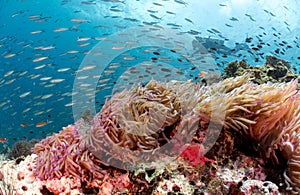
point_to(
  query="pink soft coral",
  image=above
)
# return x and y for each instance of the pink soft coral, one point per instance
(194, 155)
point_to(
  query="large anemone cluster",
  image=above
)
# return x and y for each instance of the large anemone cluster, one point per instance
(135, 124)
(268, 116)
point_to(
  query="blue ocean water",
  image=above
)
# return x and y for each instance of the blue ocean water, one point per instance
(44, 43)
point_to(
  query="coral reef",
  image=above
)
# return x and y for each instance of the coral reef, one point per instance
(274, 70)
(177, 177)
(205, 127)
(176, 183)
(20, 177)
(22, 148)
(259, 187)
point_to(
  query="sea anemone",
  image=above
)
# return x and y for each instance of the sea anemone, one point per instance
(268, 115)
(134, 121)
(293, 171)
(65, 154)
(134, 125)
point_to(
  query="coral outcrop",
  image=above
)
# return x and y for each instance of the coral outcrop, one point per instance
(134, 125)
(274, 70)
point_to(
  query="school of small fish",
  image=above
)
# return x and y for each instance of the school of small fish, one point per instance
(42, 46)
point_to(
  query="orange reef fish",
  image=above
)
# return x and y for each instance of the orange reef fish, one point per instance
(202, 74)
(3, 139)
(41, 124)
(23, 125)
